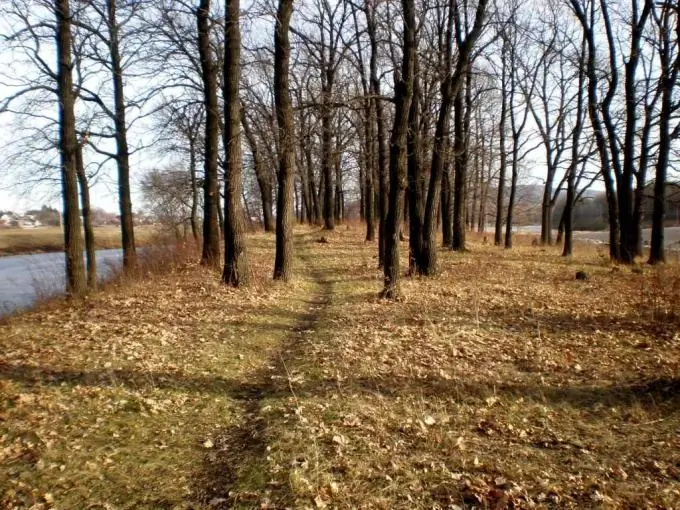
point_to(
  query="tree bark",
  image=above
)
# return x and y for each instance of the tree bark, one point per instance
(283, 263)
(236, 271)
(383, 156)
(415, 177)
(90, 249)
(398, 142)
(194, 189)
(211, 225)
(327, 160)
(261, 176)
(567, 215)
(667, 82)
(76, 284)
(122, 150)
(500, 197)
(460, 158)
(511, 200)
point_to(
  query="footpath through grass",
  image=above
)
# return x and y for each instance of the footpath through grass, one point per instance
(501, 383)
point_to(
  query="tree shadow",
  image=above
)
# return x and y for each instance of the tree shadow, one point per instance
(525, 321)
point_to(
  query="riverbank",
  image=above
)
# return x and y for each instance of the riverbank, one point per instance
(503, 382)
(17, 241)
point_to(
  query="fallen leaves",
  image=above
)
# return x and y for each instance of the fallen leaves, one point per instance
(501, 383)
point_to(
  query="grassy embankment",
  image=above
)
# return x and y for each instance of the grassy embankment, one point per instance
(17, 241)
(501, 383)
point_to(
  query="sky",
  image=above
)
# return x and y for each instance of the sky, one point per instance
(20, 198)
(15, 73)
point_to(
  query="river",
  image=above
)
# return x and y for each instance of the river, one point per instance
(671, 235)
(26, 278)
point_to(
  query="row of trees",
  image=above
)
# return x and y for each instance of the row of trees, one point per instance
(426, 112)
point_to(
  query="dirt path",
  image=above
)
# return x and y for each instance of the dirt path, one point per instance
(240, 449)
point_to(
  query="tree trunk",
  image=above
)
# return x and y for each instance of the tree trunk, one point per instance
(398, 142)
(371, 28)
(122, 151)
(90, 250)
(511, 201)
(194, 189)
(339, 212)
(500, 197)
(236, 271)
(327, 161)
(566, 222)
(568, 213)
(283, 263)
(668, 80)
(415, 197)
(460, 158)
(316, 203)
(657, 252)
(476, 185)
(368, 174)
(211, 224)
(546, 209)
(76, 284)
(263, 179)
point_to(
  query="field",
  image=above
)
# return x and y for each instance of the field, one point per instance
(16, 241)
(503, 382)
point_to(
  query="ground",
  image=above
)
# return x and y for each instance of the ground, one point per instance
(503, 382)
(16, 241)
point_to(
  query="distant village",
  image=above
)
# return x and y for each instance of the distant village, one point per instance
(50, 217)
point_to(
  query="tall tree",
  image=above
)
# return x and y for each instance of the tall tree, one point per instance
(575, 153)
(261, 175)
(88, 228)
(283, 262)
(669, 60)
(370, 11)
(453, 79)
(398, 141)
(236, 272)
(211, 197)
(502, 137)
(619, 155)
(100, 20)
(76, 283)
(122, 150)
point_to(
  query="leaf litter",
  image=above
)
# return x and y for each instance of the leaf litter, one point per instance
(501, 383)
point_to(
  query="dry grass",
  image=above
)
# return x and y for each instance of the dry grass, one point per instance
(501, 383)
(17, 241)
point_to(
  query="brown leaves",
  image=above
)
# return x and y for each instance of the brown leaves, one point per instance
(501, 383)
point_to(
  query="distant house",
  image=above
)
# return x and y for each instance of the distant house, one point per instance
(28, 221)
(6, 220)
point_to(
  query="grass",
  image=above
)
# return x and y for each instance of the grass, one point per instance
(501, 383)
(17, 241)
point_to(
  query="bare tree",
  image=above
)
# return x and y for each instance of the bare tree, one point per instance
(667, 23)
(283, 263)
(211, 227)
(398, 141)
(76, 283)
(236, 272)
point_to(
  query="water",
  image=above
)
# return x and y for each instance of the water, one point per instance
(671, 235)
(26, 278)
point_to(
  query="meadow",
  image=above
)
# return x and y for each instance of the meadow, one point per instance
(17, 241)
